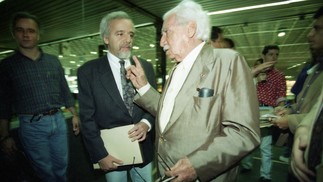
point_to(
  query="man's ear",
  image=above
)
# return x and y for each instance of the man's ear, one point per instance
(106, 40)
(191, 29)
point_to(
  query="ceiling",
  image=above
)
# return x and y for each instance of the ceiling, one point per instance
(70, 27)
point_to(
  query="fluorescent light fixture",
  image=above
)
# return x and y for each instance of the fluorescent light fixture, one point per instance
(1, 1)
(151, 45)
(149, 60)
(6, 52)
(144, 24)
(73, 62)
(60, 56)
(281, 34)
(92, 52)
(294, 66)
(135, 47)
(254, 7)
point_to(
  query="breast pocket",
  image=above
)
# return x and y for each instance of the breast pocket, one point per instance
(207, 111)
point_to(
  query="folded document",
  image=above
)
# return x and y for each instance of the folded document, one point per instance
(119, 145)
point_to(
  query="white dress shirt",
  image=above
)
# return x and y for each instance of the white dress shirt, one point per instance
(115, 67)
(177, 80)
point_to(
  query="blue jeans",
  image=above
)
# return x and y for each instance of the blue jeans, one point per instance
(121, 176)
(266, 153)
(45, 144)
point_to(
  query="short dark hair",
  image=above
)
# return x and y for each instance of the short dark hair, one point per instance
(229, 41)
(318, 13)
(269, 47)
(23, 15)
(215, 31)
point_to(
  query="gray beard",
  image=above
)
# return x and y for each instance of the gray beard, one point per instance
(124, 55)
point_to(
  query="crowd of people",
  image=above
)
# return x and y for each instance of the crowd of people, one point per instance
(203, 126)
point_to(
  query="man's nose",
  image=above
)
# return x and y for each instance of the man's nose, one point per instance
(162, 41)
(129, 39)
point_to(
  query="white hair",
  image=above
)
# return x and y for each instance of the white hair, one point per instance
(189, 10)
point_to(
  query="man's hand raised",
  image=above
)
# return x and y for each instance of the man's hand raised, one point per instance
(137, 74)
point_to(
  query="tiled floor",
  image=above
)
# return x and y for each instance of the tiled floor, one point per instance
(279, 169)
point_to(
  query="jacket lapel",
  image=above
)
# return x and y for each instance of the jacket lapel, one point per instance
(109, 84)
(195, 78)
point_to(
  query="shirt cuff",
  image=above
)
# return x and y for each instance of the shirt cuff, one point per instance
(143, 89)
(147, 123)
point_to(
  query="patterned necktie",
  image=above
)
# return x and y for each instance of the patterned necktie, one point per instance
(315, 150)
(128, 92)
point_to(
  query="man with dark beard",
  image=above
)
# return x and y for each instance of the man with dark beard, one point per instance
(306, 160)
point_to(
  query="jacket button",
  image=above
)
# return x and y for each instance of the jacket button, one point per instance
(162, 139)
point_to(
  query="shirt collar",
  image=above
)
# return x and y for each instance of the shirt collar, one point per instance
(115, 60)
(39, 58)
(191, 57)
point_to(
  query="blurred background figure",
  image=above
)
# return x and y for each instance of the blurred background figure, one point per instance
(227, 43)
(216, 37)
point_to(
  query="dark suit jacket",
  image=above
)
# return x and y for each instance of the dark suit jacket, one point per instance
(101, 107)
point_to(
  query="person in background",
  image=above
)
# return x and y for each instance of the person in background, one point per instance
(105, 103)
(228, 43)
(306, 160)
(291, 117)
(216, 39)
(33, 86)
(202, 130)
(296, 89)
(271, 91)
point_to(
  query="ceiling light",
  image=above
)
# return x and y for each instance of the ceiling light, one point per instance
(92, 52)
(254, 7)
(149, 60)
(135, 47)
(151, 45)
(281, 34)
(60, 56)
(5, 52)
(73, 62)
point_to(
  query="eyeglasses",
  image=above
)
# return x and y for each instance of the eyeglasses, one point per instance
(166, 168)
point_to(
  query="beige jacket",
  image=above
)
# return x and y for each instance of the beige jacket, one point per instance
(216, 132)
(308, 123)
(308, 99)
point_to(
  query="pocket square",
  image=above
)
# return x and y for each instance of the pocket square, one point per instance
(205, 92)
